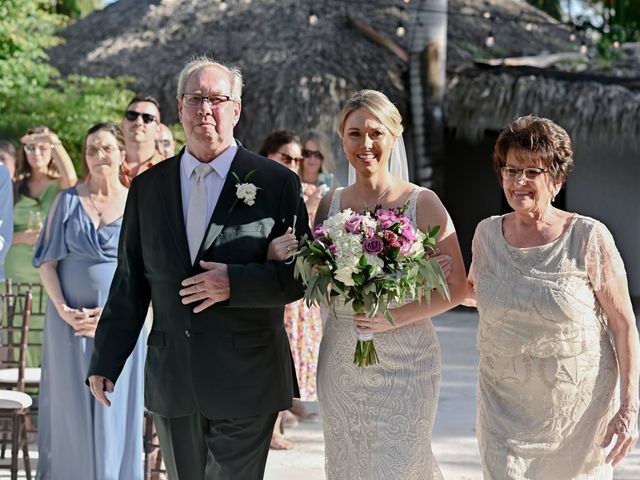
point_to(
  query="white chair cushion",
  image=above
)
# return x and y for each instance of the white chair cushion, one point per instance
(10, 399)
(10, 375)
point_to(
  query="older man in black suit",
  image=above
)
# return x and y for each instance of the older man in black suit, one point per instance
(194, 242)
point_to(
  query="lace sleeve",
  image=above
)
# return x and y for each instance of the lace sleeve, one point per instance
(603, 261)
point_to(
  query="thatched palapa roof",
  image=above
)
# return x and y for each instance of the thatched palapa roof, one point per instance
(589, 99)
(297, 75)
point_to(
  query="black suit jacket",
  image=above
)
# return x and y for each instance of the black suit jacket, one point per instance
(233, 359)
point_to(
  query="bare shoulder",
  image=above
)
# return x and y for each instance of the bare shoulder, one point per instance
(431, 212)
(323, 208)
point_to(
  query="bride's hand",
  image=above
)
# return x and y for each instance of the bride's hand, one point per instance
(365, 324)
(282, 247)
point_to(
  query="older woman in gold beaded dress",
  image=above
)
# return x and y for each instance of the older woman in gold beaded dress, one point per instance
(550, 285)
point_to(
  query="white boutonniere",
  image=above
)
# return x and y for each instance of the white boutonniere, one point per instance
(245, 191)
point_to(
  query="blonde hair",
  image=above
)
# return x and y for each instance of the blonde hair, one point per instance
(377, 104)
(202, 61)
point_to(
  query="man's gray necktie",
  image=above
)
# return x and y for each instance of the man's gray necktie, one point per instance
(197, 219)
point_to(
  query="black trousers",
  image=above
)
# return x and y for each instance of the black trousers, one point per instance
(197, 448)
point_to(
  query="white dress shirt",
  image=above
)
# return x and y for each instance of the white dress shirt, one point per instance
(213, 182)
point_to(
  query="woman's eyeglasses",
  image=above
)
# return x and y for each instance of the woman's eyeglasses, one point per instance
(32, 147)
(312, 153)
(107, 150)
(288, 159)
(133, 116)
(530, 173)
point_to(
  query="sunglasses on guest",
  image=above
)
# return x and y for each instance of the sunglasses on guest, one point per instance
(288, 159)
(133, 116)
(312, 153)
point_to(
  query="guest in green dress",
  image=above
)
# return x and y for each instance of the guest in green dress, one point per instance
(42, 169)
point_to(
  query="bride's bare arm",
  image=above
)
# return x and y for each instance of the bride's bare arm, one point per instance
(323, 209)
(431, 212)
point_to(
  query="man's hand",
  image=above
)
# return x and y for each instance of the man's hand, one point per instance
(210, 287)
(98, 386)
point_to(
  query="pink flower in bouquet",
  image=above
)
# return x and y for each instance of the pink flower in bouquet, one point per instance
(391, 239)
(404, 220)
(405, 246)
(320, 231)
(386, 218)
(353, 224)
(370, 232)
(373, 245)
(407, 232)
(332, 248)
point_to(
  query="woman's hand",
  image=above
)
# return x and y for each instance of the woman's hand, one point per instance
(364, 324)
(73, 316)
(445, 262)
(88, 326)
(282, 247)
(624, 425)
(30, 237)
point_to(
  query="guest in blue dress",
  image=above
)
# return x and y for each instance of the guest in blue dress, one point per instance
(76, 256)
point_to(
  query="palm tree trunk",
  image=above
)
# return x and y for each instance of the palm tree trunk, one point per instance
(427, 77)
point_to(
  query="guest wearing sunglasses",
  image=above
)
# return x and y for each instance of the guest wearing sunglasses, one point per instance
(283, 146)
(42, 169)
(140, 126)
(165, 144)
(550, 285)
(317, 169)
(303, 324)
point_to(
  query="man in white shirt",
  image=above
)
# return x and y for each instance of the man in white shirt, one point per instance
(194, 242)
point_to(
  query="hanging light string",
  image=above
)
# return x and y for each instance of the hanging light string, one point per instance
(530, 23)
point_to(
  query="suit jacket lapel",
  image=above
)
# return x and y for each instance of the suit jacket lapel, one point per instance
(170, 194)
(241, 165)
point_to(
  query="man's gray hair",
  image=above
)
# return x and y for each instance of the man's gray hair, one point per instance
(202, 61)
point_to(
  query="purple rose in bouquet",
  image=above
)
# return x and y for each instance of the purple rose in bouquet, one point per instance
(353, 224)
(373, 245)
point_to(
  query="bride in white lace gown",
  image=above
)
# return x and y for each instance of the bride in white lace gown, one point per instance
(377, 420)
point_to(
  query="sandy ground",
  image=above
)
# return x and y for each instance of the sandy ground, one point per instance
(454, 442)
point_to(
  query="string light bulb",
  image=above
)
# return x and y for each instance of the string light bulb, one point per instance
(572, 37)
(223, 5)
(313, 18)
(487, 15)
(616, 43)
(490, 40)
(407, 1)
(400, 30)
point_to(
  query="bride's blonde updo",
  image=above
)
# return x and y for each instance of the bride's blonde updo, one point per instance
(377, 104)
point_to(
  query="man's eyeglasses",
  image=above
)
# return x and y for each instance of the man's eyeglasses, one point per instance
(32, 147)
(133, 116)
(166, 143)
(107, 150)
(312, 153)
(288, 159)
(530, 173)
(195, 100)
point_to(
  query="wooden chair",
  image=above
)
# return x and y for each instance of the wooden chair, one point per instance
(34, 344)
(14, 334)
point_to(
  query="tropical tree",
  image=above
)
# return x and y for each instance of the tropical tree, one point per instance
(32, 91)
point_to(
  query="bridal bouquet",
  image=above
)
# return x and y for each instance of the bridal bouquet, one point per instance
(373, 260)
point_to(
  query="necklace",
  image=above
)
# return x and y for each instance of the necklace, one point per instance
(375, 202)
(94, 206)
